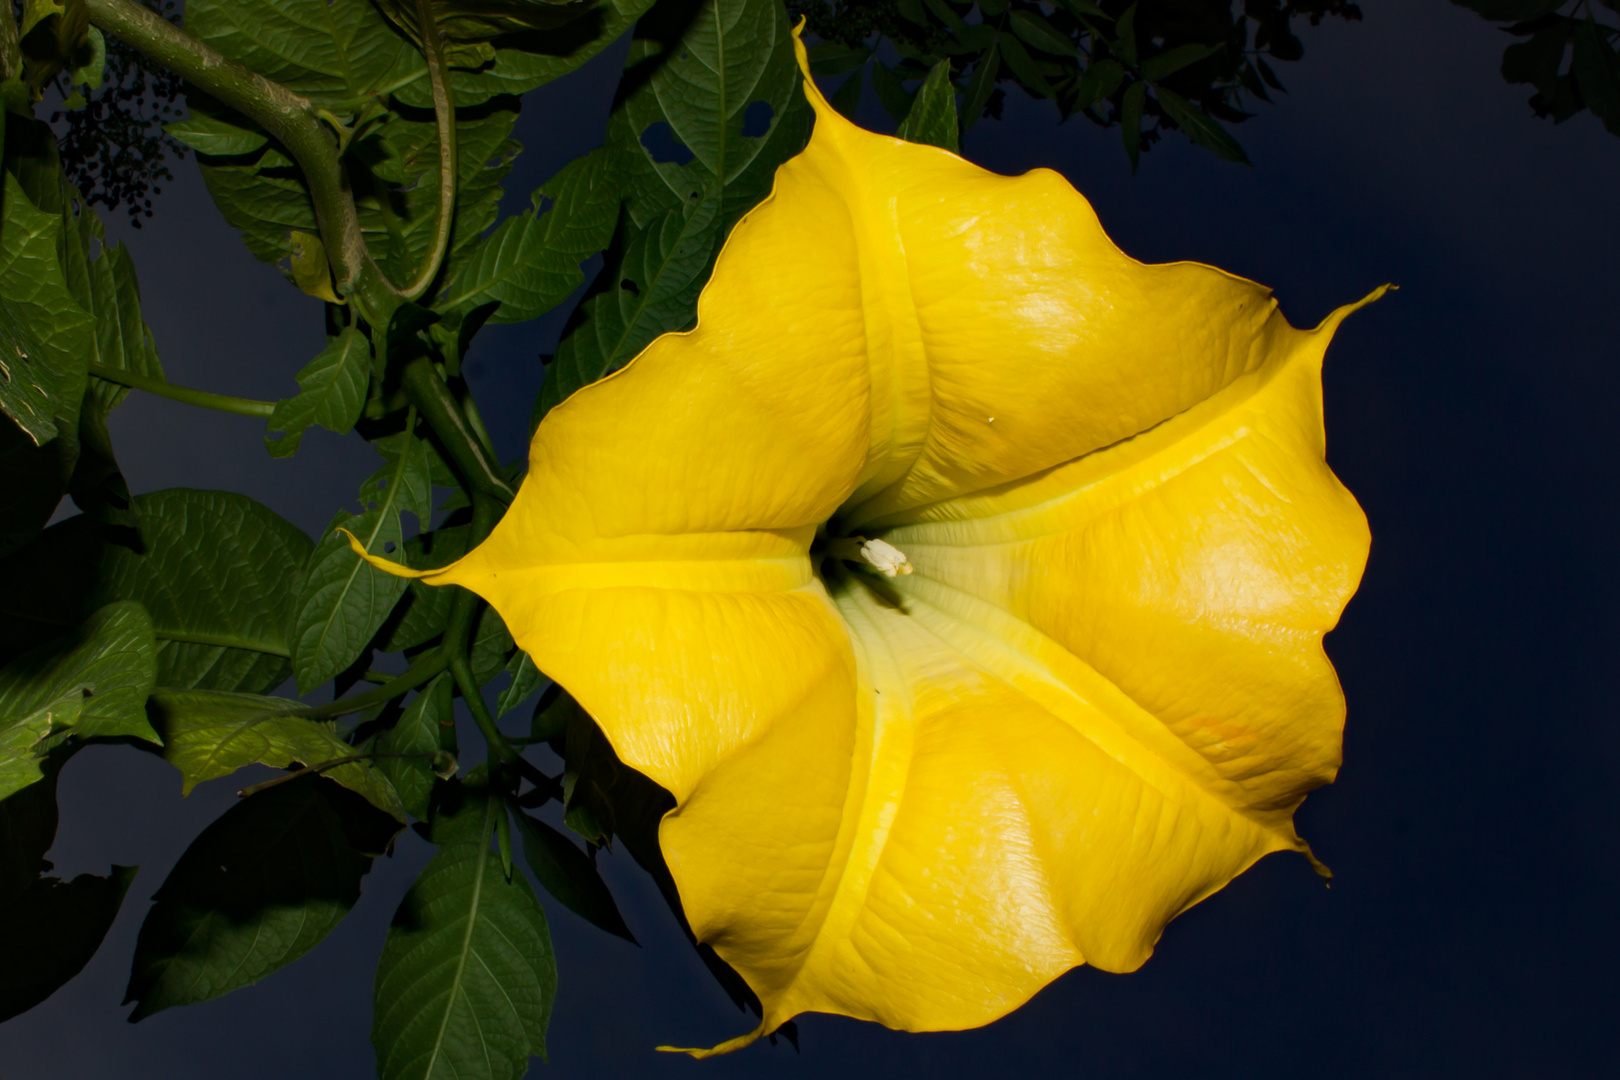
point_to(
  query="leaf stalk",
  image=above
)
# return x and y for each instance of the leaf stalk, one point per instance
(202, 398)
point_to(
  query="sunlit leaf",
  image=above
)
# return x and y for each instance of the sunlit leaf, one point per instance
(211, 733)
(111, 656)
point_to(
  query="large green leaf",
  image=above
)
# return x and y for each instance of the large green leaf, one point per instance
(259, 888)
(344, 600)
(331, 393)
(51, 931)
(45, 335)
(467, 977)
(219, 575)
(110, 658)
(700, 74)
(211, 733)
(264, 199)
(532, 262)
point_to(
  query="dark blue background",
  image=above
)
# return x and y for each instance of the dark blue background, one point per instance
(1470, 928)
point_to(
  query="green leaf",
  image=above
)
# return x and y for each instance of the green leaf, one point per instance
(570, 875)
(210, 733)
(331, 393)
(209, 135)
(693, 74)
(891, 91)
(419, 730)
(398, 212)
(1125, 30)
(23, 741)
(219, 576)
(1130, 120)
(1173, 60)
(1040, 34)
(265, 200)
(467, 977)
(50, 932)
(981, 85)
(532, 262)
(1200, 127)
(45, 336)
(261, 886)
(1025, 67)
(1099, 82)
(526, 678)
(112, 656)
(932, 119)
(492, 646)
(847, 98)
(344, 600)
(330, 52)
(526, 61)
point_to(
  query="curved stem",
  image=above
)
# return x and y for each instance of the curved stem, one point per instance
(289, 117)
(10, 47)
(159, 388)
(444, 112)
(427, 391)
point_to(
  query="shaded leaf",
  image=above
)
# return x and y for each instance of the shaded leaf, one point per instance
(211, 733)
(331, 393)
(50, 932)
(569, 875)
(532, 262)
(1130, 121)
(694, 72)
(467, 977)
(526, 679)
(1173, 60)
(419, 730)
(1200, 127)
(219, 575)
(111, 656)
(27, 831)
(209, 135)
(258, 889)
(932, 119)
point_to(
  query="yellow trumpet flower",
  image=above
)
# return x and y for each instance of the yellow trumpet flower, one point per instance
(963, 579)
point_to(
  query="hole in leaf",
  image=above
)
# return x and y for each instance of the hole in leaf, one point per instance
(660, 141)
(630, 287)
(757, 119)
(388, 547)
(546, 203)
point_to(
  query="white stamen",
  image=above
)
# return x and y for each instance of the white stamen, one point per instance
(887, 559)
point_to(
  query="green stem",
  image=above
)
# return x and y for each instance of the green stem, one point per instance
(427, 391)
(425, 668)
(347, 759)
(159, 388)
(457, 632)
(444, 112)
(10, 48)
(289, 117)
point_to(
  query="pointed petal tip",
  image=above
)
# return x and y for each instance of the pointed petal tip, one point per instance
(382, 564)
(1338, 315)
(825, 113)
(715, 1051)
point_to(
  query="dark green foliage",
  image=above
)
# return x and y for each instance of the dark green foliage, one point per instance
(258, 889)
(1567, 55)
(1197, 62)
(51, 931)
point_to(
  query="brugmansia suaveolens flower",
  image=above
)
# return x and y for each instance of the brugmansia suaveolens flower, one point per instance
(963, 579)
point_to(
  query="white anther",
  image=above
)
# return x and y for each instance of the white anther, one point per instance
(886, 559)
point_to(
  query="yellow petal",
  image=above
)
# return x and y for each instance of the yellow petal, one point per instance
(1101, 694)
